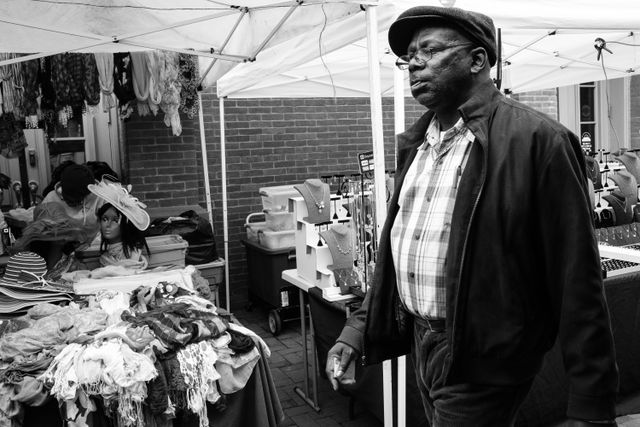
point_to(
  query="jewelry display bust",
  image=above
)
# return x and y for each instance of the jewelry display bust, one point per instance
(317, 198)
(340, 240)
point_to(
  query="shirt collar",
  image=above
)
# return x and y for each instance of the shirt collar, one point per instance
(435, 140)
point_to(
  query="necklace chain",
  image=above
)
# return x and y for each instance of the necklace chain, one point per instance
(342, 251)
(319, 204)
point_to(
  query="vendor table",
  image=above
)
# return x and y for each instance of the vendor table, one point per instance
(257, 404)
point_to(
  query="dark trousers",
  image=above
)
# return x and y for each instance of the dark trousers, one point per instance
(459, 405)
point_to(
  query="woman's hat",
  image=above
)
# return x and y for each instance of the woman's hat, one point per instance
(114, 193)
(24, 267)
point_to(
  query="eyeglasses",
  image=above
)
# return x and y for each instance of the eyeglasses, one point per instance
(422, 55)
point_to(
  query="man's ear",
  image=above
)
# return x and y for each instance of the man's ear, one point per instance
(479, 58)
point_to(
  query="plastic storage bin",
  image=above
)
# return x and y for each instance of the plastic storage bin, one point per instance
(265, 267)
(277, 198)
(169, 249)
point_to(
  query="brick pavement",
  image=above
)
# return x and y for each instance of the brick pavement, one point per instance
(286, 365)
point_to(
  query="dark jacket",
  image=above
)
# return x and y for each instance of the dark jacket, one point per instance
(523, 266)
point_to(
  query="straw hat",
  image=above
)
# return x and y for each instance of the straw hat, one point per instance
(113, 192)
(24, 267)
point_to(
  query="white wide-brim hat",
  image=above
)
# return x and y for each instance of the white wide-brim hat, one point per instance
(117, 195)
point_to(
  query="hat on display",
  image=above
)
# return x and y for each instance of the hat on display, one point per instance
(477, 27)
(74, 183)
(24, 267)
(630, 161)
(117, 195)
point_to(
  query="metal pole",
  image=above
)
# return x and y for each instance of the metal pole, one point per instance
(379, 184)
(225, 220)
(398, 110)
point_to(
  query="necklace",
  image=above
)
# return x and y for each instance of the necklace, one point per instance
(340, 249)
(319, 204)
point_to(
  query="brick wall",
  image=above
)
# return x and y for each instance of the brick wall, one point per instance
(268, 142)
(542, 100)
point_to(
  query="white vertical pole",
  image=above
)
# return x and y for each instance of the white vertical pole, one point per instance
(379, 166)
(205, 160)
(398, 114)
(207, 186)
(225, 220)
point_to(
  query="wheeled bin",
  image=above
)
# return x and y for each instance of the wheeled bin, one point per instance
(265, 267)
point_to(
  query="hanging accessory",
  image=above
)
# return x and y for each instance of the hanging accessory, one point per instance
(319, 204)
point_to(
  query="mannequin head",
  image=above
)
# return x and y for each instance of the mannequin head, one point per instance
(115, 227)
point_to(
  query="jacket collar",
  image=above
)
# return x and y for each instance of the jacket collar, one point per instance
(474, 112)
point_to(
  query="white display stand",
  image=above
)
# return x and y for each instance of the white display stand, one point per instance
(312, 260)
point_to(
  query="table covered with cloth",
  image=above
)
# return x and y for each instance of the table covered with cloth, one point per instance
(257, 404)
(152, 358)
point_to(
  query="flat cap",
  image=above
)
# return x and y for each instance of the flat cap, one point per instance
(477, 27)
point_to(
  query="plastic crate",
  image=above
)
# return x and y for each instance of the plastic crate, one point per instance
(214, 273)
(277, 198)
(169, 249)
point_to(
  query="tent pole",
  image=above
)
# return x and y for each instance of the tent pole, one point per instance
(225, 221)
(205, 167)
(379, 181)
(205, 161)
(398, 115)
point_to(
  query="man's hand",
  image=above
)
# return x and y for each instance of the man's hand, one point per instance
(340, 359)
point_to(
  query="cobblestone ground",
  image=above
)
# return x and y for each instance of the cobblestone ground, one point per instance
(286, 365)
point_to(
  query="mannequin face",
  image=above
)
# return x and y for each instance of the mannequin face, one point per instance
(110, 226)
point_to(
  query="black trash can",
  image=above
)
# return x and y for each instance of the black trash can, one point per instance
(266, 286)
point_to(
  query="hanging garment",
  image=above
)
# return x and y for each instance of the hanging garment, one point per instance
(155, 62)
(48, 99)
(12, 85)
(12, 139)
(188, 79)
(104, 62)
(74, 63)
(60, 81)
(30, 71)
(141, 77)
(170, 102)
(123, 83)
(91, 80)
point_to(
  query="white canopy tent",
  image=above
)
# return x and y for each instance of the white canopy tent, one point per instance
(545, 44)
(228, 32)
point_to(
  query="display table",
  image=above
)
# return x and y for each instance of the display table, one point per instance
(257, 404)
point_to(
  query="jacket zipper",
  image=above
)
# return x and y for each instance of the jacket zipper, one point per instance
(464, 250)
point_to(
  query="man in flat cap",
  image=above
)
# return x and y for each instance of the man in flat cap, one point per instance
(488, 254)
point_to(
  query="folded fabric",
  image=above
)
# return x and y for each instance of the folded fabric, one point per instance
(31, 392)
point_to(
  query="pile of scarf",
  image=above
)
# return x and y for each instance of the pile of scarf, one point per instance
(144, 358)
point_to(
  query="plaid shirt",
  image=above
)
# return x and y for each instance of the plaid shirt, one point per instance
(420, 233)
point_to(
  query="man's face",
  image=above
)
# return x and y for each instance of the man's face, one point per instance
(441, 81)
